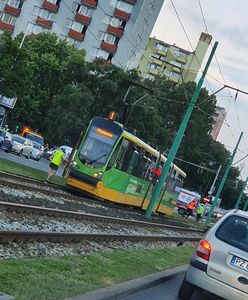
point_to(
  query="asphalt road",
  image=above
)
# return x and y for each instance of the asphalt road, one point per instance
(165, 291)
(42, 165)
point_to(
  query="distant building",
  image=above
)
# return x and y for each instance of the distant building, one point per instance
(116, 30)
(219, 118)
(173, 62)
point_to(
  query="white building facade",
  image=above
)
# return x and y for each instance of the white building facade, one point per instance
(116, 30)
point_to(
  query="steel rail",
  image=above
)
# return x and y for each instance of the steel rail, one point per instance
(92, 217)
(58, 237)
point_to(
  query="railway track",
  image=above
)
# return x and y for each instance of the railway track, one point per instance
(7, 237)
(104, 220)
(40, 189)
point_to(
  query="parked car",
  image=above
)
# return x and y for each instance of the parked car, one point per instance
(37, 151)
(220, 264)
(6, 143)
(21, 146)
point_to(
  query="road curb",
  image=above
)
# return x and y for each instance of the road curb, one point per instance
(119, 291)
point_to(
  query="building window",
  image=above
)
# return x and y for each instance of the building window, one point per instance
(36, 29)
(175, 63)
(108, 38)
(151, 66)
(79, 27)
(112, 21)
(100, 53)
(13, 3)
(56, 2)
(43, 13)
(84, 10)
(161, 47)
(6, 18)
(126, 7)
(171, 74)
(179, 53)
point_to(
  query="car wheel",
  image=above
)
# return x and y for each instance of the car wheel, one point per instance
(20, 153)
(28, 156)
(181, 211)
(186, 290)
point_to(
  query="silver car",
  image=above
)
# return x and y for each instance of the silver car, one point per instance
(220, 264)
(21, 146)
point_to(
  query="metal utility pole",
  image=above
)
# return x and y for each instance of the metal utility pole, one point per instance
(229, 164)
(241, 194)
(215, 179)
(179, 137)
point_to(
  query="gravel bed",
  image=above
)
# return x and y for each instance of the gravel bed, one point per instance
(36, 249)
(86, 206)
(31, 221)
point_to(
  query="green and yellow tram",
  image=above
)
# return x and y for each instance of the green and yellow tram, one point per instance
(113, 164)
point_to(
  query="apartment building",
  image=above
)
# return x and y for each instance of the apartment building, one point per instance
(219, 117)
(116, 30)
(173, 62)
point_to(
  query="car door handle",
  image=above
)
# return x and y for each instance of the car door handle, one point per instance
(243, 280)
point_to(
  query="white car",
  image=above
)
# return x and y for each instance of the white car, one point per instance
(68, 151)
(21, 146)
(37, 151)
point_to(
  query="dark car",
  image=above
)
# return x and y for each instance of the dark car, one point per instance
(6, 143)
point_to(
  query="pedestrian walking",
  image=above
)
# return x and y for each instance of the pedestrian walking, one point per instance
(57, 160)
(199, 212)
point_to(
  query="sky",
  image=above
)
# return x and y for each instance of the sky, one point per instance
(227, 22)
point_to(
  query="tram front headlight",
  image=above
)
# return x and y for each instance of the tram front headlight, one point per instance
(98, 175)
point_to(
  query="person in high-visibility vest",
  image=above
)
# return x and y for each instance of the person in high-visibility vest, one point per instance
(57, 160)
(199, 212)
(191, 208)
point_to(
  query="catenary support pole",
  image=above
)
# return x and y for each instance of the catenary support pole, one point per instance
(179, 136)
(241, 193)
(214, 182)
(216, 197)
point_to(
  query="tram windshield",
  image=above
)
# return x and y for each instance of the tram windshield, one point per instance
(97, 146)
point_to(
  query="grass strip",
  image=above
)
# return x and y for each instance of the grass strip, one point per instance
(58, 278)
(19, 169)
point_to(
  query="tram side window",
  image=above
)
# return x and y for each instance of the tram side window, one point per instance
(127, 157)
(114, 155)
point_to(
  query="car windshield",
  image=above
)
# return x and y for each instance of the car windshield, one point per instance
(18, 139)
(36, 146)
(35, 138)
(234, 231)
(97, 146)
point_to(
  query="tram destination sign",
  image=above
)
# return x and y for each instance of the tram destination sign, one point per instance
(7, 102)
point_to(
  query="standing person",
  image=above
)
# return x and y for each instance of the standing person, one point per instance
(57, 160)
(199, 212)
(6, 128)
(191, 208)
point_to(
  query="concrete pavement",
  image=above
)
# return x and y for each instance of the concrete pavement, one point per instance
(125, 289)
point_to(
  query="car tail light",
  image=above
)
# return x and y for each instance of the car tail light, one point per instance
(204, 249)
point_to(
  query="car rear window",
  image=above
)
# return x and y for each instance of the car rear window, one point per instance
(234, 231)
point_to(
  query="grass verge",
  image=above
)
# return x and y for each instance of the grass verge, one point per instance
(58, 278)
(12, 167)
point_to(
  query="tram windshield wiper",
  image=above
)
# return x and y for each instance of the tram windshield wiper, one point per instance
(94, 160)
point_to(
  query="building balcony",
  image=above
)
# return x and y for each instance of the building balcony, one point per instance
(44, 23)
(117, 31)
(121, 14)
(181, 59)
(90, 3)
(176, 69)
(83, 19)
(153, 72)
(157, 62)
(161, 52)
(76, 35)
(6, 26)
(12, 10)
(50, 6)
(109, 47)
(131, 1)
